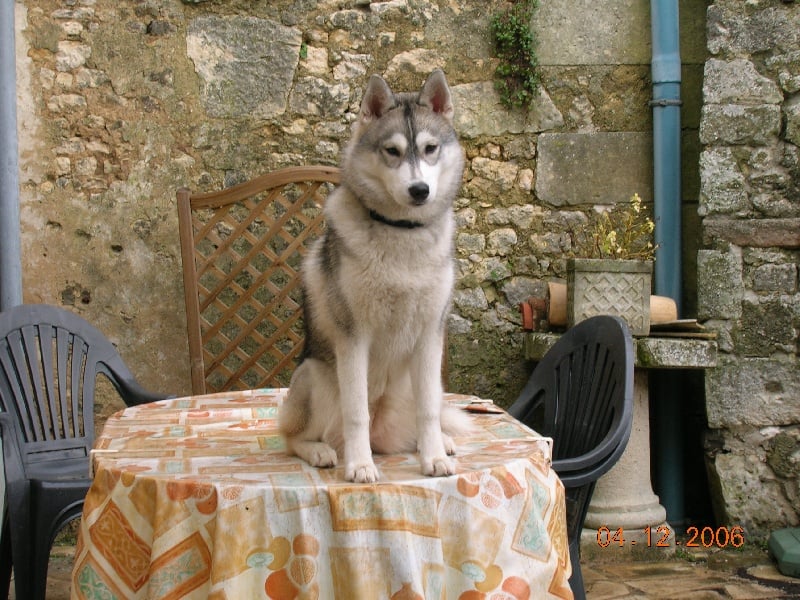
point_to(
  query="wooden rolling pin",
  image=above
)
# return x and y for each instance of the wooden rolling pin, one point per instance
(554, 308)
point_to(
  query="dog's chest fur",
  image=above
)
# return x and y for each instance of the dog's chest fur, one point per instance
(398, 284)
(395, 279)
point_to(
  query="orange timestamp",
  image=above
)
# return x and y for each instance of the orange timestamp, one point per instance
(697, 537)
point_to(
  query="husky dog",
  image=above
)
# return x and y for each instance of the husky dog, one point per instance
(377, 289)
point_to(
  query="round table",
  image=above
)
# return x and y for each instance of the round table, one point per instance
(196, 498)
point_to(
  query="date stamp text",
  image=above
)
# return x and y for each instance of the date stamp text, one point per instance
(659, 537)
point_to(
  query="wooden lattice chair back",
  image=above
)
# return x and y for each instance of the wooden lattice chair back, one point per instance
(242, 249)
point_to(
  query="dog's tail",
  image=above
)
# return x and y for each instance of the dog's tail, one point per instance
(455, 421)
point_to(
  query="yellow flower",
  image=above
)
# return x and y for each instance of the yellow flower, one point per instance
(622, 232)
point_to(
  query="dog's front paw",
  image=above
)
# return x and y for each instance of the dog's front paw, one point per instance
(317, 454)
(438, 466)
(323, 456)
(361, 473)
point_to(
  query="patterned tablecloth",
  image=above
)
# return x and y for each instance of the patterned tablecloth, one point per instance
(196, 498)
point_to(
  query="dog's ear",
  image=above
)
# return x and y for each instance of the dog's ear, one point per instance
(378, 98)
(436, 95)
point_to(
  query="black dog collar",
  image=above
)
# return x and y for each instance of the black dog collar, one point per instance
(402, 223)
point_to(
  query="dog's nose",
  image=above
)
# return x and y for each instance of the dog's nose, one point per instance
(419, 192)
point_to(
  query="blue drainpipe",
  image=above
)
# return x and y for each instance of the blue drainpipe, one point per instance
(666, 103)
(10, 261)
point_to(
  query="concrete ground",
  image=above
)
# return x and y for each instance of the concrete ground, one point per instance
(719, 574)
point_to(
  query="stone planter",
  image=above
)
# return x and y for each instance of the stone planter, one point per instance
(610, 287)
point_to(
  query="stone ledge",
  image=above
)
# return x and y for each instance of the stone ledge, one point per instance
(649, 352)
(675, 353)
(754, 233)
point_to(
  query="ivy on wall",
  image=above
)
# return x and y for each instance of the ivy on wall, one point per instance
(516, 77)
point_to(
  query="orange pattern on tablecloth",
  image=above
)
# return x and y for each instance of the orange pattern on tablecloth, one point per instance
(492, 486)
(433, 580)
(92, 581)
(294, 575)
(406, 593)
(166, 513)
(460, 524)
(183, 568)
(530, 536)
(295, 490)
(558, 534)
(360, 572)
(387, 507)
(120, 545)
(232, 542)
(559, 586)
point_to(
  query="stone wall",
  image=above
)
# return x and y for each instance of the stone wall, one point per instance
(748, 265)
(123, 101)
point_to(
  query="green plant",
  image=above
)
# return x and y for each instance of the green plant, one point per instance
(516, 77)
(623, 232)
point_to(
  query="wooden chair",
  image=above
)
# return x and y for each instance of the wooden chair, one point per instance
(242, 249)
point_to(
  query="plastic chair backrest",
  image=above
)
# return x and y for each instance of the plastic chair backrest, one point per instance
(49, 362)
(581, 393)
(242, 248)
(50, 359)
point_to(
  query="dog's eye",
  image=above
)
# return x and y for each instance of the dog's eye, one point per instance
(392, 151)
(431, 149)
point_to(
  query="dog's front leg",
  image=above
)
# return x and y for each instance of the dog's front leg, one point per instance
(426, 374)
(352, 361)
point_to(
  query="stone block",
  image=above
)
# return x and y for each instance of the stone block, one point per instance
(722, 183)
(600, 32)
(783, 454)
(592, 32)
(787, 66)
(519, 289)
(574, 168)
(470, 243)
(750, 496)
(478, 111)
(756, 233)
(501, 241)
(238, 80)
(471, 302)
(753, 392)
(721, 295)
(735, 30)
(315, 96)
(781, 278)
(655, 352)
(649, 352)
(765, 327)
(735, 124)
(738, 82)
(793, 121)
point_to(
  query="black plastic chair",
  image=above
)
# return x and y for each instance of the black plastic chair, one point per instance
(581, 395)
(49, 362)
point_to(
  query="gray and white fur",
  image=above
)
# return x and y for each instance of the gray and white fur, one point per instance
(377, 288)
